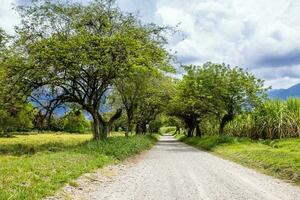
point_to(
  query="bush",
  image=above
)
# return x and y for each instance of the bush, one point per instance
(20, 119)
(208, 143)
(75, 122)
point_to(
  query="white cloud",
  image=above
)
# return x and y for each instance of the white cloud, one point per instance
(238, 33)
(250, 33)
(8, 17)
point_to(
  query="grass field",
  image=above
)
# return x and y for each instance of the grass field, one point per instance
(35, 166)
(279, 158)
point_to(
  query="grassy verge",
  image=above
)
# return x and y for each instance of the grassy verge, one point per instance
(279, 158)
(35, 166)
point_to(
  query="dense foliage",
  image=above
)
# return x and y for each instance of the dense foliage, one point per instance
(115, 71)
(215, 92)
(66, 53)
(273, 119)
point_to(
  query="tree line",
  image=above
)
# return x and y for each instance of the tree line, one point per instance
(94, 57)
(213, 95)
(96, 60)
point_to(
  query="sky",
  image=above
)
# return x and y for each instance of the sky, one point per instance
(262, 36)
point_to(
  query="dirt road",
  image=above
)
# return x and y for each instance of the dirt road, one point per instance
(173, 170)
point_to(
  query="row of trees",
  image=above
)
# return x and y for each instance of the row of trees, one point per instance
(212, 95)
(106, 63)
(93, 56)
(27, 117)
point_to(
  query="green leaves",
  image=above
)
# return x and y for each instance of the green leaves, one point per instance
(84, 52)
(75, 122)
(216, 90)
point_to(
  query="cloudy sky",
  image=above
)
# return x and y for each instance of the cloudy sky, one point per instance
(260, 35)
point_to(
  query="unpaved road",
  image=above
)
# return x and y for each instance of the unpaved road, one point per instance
(173, 170)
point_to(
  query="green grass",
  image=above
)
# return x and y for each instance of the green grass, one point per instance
(52, 160)
(279, 158)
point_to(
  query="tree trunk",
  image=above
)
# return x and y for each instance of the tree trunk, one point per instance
(39, 121)
(198, 131)
(144, 128)
(140, 128)
(128, 128)
(49, 125)
(227, 118)
(177, 131)
(104, 131)
(191, 124)
(96, 127)
(190, 131)
(137, 129)
(221, 128)
(127, 132)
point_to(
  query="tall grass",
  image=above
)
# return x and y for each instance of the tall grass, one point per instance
(53, 160)
(274, 119)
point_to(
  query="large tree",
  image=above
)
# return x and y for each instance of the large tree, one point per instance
(131, 90)
(240, 91)
(80, 50)
(153, 101)
(140, 85)
(193, 99)
(214, 90)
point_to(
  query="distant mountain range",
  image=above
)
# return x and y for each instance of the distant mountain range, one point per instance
(293, 91)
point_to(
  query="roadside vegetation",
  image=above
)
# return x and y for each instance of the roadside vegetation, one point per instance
(273, 119)
(82, 86)
(74, 81)
(35, 166)
(226, 111)
(279, 157)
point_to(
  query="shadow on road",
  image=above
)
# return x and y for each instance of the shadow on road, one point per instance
(169, 143)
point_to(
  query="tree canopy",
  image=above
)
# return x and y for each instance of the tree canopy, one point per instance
(214, 90)
(80, 51)
(106, 63)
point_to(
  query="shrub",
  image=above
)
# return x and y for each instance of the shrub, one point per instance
(75, 122)
(20, 120)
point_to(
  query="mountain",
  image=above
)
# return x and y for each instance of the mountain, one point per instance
(293, 91)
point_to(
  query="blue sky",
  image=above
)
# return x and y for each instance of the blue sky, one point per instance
(260, 35)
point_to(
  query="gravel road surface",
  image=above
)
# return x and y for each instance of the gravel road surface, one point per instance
(173, 170)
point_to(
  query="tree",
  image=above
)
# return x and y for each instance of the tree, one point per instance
(133, 89)
(130, 90)
(153, 101)
(242, 92)
(214, 90)
(20, 118)
(15, 113)
(80, 50)
(46, 102)
(193, 99)
(75, 122)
